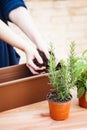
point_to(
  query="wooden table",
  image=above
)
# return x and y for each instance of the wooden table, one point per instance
(36, 117)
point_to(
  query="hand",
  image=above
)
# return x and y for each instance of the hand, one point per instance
(31, 54)
(44, 48)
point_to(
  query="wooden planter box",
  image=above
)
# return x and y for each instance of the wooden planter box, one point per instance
(18, 87)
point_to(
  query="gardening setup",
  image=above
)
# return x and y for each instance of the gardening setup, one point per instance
(19, 87)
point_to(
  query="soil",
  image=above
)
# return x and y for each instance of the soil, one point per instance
(45, 63)
(53, 96)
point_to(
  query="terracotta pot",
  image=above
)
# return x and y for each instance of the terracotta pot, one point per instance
(18, 87)
(59, 111)
(82, 101)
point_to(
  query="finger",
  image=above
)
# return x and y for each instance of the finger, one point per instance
(47, 54)
(45, 50)
(38, 57)
(57, 61)
(43, 72)
(32, 70)
(31, 63)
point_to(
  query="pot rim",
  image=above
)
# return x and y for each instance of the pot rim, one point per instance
(50, 100)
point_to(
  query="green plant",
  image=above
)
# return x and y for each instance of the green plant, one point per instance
(81, 73)
(64, 79)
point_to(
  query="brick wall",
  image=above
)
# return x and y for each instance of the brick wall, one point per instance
(61, 21)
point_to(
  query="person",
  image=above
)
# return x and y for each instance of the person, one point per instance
(16, 12)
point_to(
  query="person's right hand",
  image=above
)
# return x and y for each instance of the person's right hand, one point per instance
(32, 53)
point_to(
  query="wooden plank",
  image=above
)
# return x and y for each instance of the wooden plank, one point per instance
(18, 88)
(36, 117)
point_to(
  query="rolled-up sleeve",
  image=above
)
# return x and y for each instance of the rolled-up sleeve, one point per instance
(9, 5)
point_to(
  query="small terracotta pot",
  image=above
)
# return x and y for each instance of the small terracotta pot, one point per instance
(82, 101)
(59, 111)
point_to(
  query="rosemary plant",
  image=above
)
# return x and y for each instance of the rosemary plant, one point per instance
(63, 80)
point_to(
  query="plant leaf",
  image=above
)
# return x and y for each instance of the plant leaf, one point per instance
(86, 84)
(86, 95)
(80, 92)
(84, 52)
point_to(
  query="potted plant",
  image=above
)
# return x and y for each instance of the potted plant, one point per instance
(81, 83)
(19, 87)
(62, 81)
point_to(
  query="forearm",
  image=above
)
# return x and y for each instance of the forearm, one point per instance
(22, 18)
(7, 35)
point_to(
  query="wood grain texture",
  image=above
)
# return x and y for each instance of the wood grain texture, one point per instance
(36, 117)
(18, 88)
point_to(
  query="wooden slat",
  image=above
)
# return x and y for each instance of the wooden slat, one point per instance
(36, 117)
